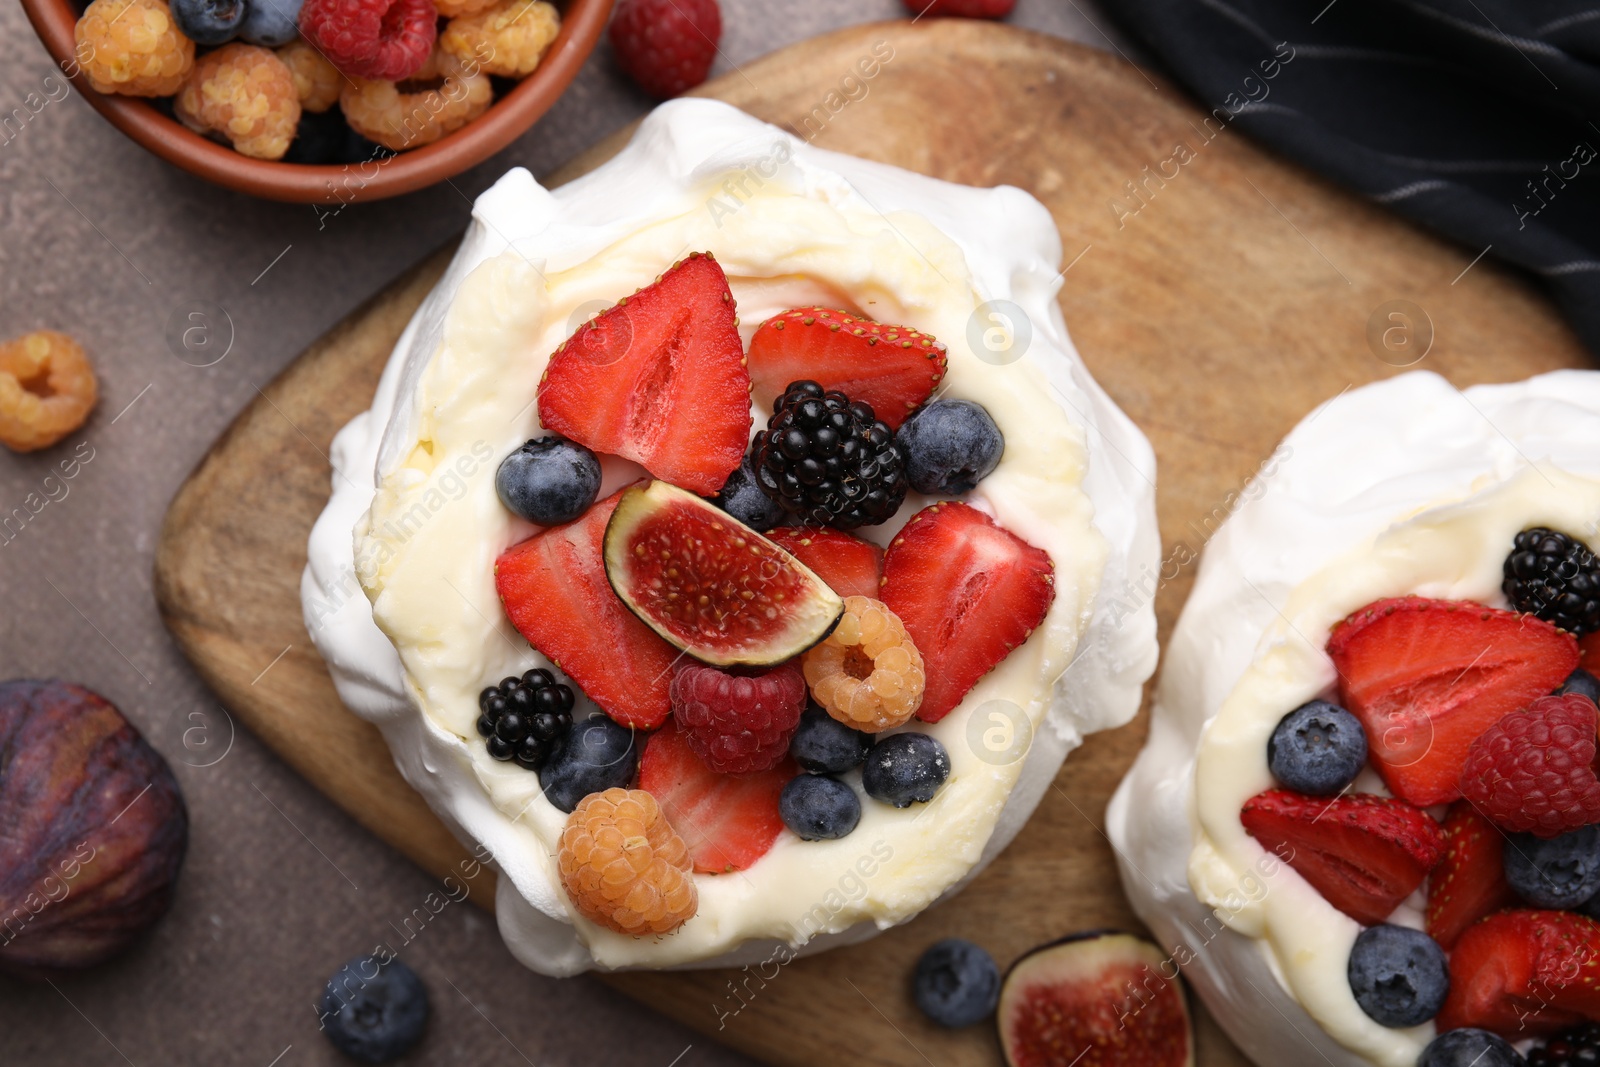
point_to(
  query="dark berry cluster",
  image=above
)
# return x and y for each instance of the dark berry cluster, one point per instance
(827, 460)
(1579, 1046)
(1555, 577)
(525, 719)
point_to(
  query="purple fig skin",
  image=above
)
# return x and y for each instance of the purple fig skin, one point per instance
(93, 830)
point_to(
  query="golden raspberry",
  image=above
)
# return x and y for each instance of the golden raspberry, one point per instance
(247, 95)
(867, 673)
(508, 39)
(443, 96)
(452, 8)
(317, 81)
(47, 390)
(624, 866)
(132, 47)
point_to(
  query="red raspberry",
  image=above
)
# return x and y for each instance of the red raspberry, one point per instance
(971, 9)
(736, 723)
(382, 40)
(666, 46)
(1533, 770)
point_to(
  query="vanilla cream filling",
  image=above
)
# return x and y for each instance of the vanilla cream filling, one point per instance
(413, 653)
(1403, 487)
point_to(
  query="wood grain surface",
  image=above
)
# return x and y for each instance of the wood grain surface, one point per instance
(1217, 294)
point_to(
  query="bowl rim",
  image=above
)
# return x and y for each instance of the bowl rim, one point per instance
(507, 119)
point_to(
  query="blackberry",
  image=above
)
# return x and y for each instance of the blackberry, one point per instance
(1555, 577)
(526, 719)
(1578, 1047)
(828, 460)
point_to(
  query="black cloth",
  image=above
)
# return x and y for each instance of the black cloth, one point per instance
(1479, 119)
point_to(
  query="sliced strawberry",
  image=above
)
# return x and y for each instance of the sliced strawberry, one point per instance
(893, 368)
(1470, 882)
(1589, 652)
(1427, 677)
(968, 592)
(658, 379)
(728, 820)
(1364, 853)
(1524, 973)
(554, 588)
(850, 566)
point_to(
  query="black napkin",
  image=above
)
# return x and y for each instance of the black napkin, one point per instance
(1479, 119)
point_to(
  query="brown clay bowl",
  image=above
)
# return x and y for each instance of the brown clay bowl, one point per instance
(581, 24)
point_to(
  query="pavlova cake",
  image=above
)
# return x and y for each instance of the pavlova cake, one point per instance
(728, 550)
(1365, 821)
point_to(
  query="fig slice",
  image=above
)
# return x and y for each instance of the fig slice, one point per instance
(709, 584)
(1098, 999)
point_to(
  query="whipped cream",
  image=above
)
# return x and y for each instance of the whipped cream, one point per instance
(414, 516)
(1407, 486)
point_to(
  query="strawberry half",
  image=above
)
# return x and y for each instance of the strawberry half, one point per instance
(850, 566)
(893, 368)
(1470, 882)
(968, 592)
(1427, 677)
(658, 379)
(1589, 651)
(554, 588)
(1364, 853)
(728, 820)
(1524, 973)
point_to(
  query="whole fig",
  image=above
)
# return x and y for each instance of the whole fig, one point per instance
(93, 830)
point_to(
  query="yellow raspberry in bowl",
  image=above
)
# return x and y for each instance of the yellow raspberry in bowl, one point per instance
(246, 95)
(442, 97)
(317, 81)
(867, 673)
(452, 8)
(624, 866)
(510, 38)
(132, 47)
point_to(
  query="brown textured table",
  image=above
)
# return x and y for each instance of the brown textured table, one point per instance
(101, 239)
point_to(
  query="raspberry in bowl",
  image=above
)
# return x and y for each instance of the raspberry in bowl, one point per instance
(1369, 799)
(346, 99)
(673, 462)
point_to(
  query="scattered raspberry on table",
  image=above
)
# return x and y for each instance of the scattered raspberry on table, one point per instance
(667, 46)
(969, 9)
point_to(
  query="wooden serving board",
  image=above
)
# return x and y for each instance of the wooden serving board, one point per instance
(1217, 293)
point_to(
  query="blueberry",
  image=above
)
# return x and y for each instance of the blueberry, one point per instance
(598, 755)
(1318, 748)
(741, 497)
(818, 808)
(271, 23)
(209, 22)
(824, 745)
(549, 480)
(950, 446)
(1398, 975)
(1583, 683)
(1469, 1048)
(374, 1011)
(905, 769)
(1557, 872)
(956, 983)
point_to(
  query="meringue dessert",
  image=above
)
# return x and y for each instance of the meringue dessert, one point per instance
(1364, 822)
(736, 546)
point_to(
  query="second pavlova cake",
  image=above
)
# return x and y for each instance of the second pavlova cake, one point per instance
(1366, 824)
